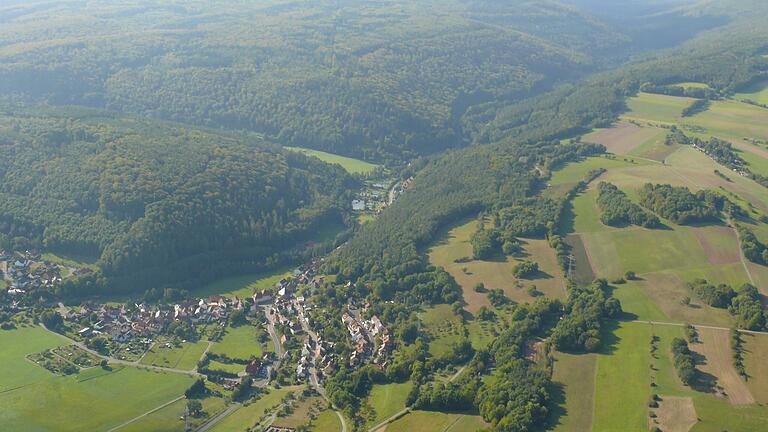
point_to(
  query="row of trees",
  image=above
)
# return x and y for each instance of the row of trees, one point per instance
(684, 362)
(755, 250)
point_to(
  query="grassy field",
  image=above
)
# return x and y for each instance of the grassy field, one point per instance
(239, 342)
(16, 344)
(755, 355)
(757, 92)
(168, 419)
(327, 421)
(626, 138)
(71, 260)
(443, 326)
(732, 119)
(242, 286)
(660, 108)
(184, 357)
(96, 400)
(354, 166)
(455, 245)
(574, 378)
(247, 416)
(430, 421)
(568, 176)
(388, 399)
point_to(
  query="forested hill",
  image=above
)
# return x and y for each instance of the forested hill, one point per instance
(378, 80)
(526, 135)
(157, 203)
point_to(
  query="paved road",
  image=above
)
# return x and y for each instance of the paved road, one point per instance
(273, 333)
(218, 417)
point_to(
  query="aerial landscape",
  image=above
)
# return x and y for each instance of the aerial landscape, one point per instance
(383, 215)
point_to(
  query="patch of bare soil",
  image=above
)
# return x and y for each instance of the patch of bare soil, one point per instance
(717, 361)
(675, 414)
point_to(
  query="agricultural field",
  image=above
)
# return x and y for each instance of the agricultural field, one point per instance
(757, 92)
(574, 378)
(625, 138)
(240, 343)
(353, 166)
(755, 355)
(455, 246)
(169, 418)
(184, 356)
(301, 412)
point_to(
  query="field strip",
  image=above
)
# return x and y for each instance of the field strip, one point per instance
(699, 326)
(146, 413)
(741, 255)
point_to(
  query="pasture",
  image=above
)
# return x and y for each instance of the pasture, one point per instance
(755, 355)
(351, 165)
(239, 343)
(185, 356)
(17, 372)
(327, 421)
(443, 327)
(731, 119)
(715, 347)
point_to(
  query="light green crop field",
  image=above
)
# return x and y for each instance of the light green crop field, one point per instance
(690, 84)
(243, 286)
(568, 176)
(184, 357)
(247, 416)
(732, 119)
(168, 419)
(574, 378)
(660, 108)
(354, 166)
(388, 399)
(431, 421)
(240, 343)
(94, 401)
(234, 368)
(757, 92)
(16, 371)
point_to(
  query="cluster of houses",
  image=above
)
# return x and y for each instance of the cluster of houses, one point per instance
(370, 338)
(27, 271)
(125, 323)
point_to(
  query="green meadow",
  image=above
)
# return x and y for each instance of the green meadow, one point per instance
(660, 108)
(183, 357)
(431, 421)
(757, 92)
(249, 415)
(240, 343)
(243, 286)
(388, 399)
(353, 166)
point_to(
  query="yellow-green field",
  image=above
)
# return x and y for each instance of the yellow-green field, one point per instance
(243, 286)
(249, 415)
(33, 399)
(659, 108)
(183, 357)
(354, 166)
(430, 421)
(757, 92)
(240, 343)
(388, 399)
(574, 381)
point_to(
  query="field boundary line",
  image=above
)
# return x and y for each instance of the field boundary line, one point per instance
(146, 414)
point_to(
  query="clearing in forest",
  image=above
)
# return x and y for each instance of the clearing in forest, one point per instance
(655, 107)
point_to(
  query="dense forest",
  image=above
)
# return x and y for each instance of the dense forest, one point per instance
(381, 80)
(680, 205)
(618, 210)
(158, 203)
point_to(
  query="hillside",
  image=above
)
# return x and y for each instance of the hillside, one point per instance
(157, 203)
(381, 81)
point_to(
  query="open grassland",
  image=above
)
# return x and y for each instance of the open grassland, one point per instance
(567, 177)
(388, 399)
(757, 92)
(690, 84)
(242, 286)
(248, 416)
(455, 245)
(183, 357)
(661, 108)
(430, 421)
(353, 166)
(732, 119)
(755, 356)
(624, 137)
(622, 383)
(16, 371)
(676, 414)
(75, 261)
(239, 343)
(574, 383)
(301, 412)
(95, 401)
(327, 421)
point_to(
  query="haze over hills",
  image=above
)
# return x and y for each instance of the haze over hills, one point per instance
(378, 80)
